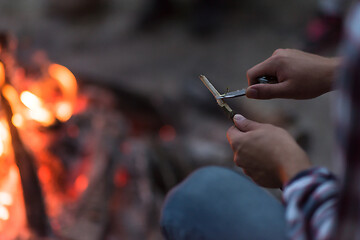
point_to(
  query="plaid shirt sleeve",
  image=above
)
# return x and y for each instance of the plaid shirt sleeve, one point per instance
(317, 206)
(310, 199)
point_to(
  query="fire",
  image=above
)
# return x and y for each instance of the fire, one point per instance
(63, 111)
(5, 199)
(17, 120)
(2, 74)
(47, 96)
(13, 97)
(4, 137)
(44, 174)
(37, 111)
(4, 213)
(36, 108)
(68, 86)
(2, 149)
(81, 183)
(7, 191)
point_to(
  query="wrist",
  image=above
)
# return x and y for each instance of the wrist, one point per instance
(333, 65)
(294, 167)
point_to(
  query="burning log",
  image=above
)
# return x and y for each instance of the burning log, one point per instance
(32, 193)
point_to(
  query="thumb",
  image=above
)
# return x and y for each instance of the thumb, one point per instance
(245, 125)
(268, 91)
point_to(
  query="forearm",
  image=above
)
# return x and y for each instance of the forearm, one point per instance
(311, 200)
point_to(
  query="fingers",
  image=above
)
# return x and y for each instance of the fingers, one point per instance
(236, 134)
(245, 125)
(233, 135)
(268, 91)
(265, 68)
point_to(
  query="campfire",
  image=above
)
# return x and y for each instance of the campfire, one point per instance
(30, 104)
(78, 160)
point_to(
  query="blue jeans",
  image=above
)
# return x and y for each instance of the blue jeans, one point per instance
(218, 203)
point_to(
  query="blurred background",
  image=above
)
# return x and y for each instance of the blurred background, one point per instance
(148, 54)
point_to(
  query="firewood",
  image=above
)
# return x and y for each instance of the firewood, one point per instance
(33, 197)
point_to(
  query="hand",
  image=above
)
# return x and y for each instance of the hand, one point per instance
(267, 154)
(301, 75)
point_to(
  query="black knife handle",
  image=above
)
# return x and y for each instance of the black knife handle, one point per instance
(267, 80)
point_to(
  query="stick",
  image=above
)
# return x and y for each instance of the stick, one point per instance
(216, 94)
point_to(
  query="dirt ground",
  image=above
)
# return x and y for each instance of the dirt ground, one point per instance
(168, 60)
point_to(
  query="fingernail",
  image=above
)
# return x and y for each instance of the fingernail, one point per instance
(252, 93)
(238, 117)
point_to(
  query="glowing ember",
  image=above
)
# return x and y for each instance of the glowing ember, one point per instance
(44, 174)
(37, 111)
(167, 133)
(121, 178)
(81, 183)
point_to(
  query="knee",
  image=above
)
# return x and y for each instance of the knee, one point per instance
(182, 202)
(205, 177)
(193, 187)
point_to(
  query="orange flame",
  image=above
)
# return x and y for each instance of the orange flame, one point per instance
(2, 74)
(44, 174)
(8, 188)
(13, 97)
(4, 213)
(37, 111)
(63, 111)
(68, 86)
(4, 137)
(5, 199)
(17, 120)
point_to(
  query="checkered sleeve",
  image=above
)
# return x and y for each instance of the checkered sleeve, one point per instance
(310, 199)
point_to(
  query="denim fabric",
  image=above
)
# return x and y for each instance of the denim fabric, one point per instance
(218, 203)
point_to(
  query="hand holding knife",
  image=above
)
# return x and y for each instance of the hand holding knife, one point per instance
(238, 93)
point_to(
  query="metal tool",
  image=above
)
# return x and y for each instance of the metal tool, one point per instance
(238, 93)
(242, 92)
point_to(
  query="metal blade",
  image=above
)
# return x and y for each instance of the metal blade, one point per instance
(233, 94)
